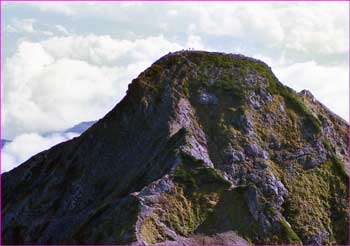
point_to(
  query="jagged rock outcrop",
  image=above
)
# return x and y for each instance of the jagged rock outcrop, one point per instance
(206, 148)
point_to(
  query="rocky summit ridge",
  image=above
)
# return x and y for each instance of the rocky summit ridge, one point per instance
(205, 148)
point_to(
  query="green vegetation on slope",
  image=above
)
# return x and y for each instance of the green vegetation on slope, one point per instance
(231, 213)
(293, 102)
(198, 189)
(288, 235)
(317, 201)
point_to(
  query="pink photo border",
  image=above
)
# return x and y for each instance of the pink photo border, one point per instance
(1, 63)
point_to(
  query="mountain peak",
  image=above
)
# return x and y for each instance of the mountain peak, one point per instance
(205, 148)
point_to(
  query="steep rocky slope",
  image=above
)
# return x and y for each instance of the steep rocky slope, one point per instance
(204, 148)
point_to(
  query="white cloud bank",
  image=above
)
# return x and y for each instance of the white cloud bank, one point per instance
(26, 145)
(56, 83)
(308, 28)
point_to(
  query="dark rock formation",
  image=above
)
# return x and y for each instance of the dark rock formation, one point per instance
(204, 148)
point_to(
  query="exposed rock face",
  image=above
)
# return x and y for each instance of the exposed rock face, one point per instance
(205, 148)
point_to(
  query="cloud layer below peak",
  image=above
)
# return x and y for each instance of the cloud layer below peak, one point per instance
(55, 83)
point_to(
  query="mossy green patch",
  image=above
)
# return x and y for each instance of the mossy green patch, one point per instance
(204, 203)
(294, 102)
(316, 197)
(186, 88)
(340, 169)
(232, 213)
(183, 213)
(213, 59)
(288, 235)
(152, 233)
(234, 88)
(192, 175)
(198, 190)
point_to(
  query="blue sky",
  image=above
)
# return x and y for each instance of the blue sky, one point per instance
(67, 62)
